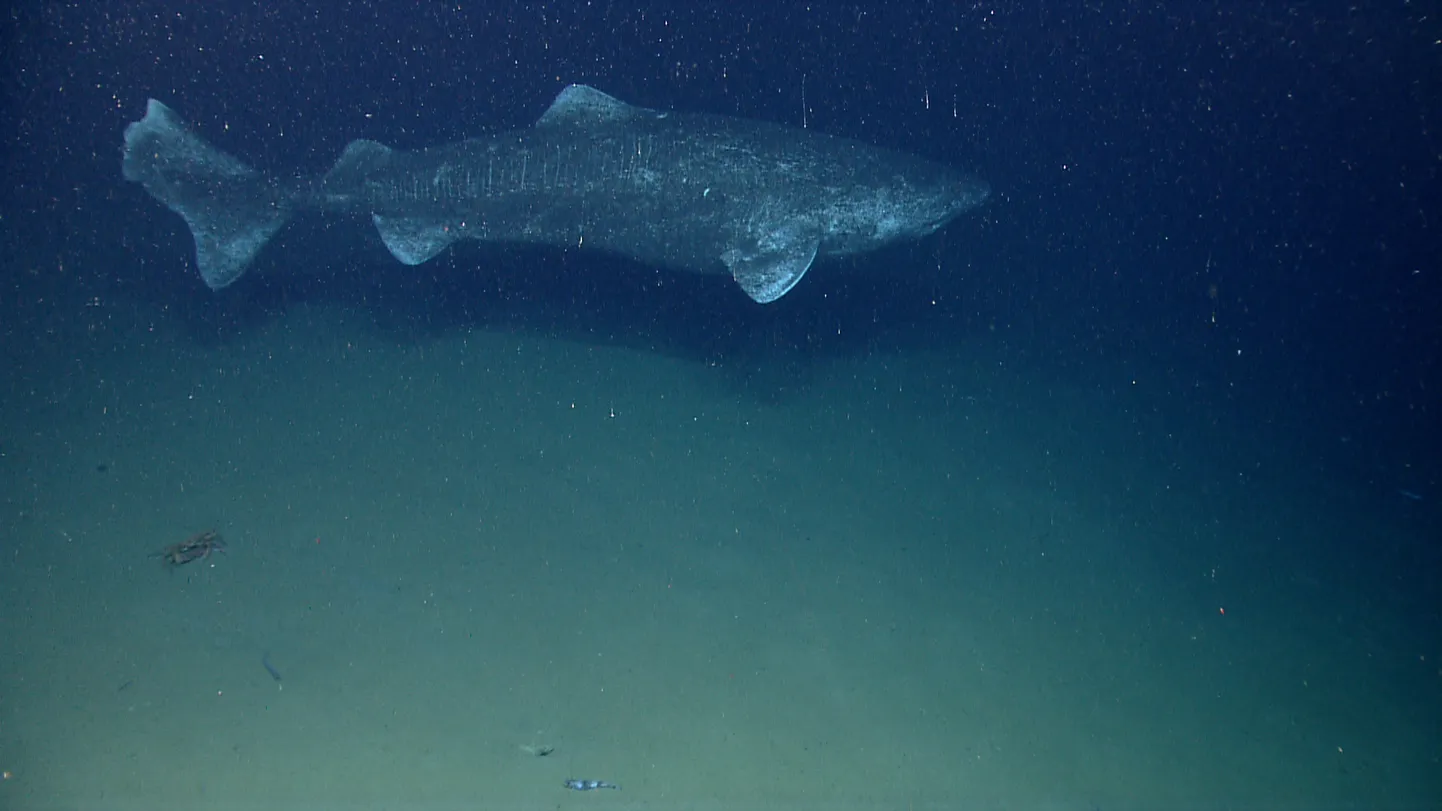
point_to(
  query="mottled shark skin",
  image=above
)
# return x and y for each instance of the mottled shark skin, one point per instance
(698, 193)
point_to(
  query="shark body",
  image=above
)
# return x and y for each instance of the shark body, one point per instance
(699, 193)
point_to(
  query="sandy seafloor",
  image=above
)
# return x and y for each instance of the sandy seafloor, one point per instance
(892, 580)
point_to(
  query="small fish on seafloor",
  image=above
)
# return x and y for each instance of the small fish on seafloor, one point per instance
(588, 785)
(199, 546)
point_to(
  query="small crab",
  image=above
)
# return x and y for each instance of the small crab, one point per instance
(197, 547)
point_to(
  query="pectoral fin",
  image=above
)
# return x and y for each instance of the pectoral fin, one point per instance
(767, 274)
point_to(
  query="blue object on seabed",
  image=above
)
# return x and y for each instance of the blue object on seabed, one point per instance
(588, 785)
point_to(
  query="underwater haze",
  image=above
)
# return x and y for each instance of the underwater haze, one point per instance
(1085, 455)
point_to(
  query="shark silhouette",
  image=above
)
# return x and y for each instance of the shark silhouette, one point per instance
(700, 193)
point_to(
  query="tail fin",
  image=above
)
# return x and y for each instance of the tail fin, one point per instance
(232, 209)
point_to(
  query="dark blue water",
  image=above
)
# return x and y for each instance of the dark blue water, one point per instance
(1240, 193)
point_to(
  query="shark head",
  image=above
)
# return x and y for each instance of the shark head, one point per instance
(940, 200)
(903, 205)
(967, 193)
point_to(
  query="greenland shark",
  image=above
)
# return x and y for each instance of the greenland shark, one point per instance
(694, 192)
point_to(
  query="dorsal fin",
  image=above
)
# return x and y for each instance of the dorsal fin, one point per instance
(360, 159)
(578, 105)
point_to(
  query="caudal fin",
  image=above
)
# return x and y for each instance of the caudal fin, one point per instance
(231, 208)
